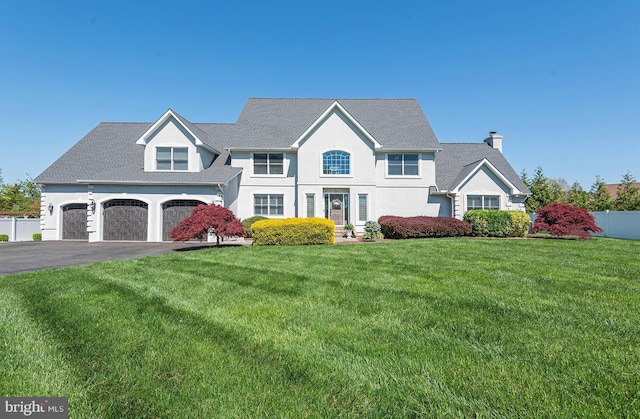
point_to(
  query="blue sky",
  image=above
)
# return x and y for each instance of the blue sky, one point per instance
(559, 79)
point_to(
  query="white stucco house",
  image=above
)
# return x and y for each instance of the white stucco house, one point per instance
(350, 160)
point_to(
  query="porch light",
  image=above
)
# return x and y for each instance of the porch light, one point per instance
(92, 205)
(50, 207)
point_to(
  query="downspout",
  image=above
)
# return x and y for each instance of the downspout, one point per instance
(453, 205)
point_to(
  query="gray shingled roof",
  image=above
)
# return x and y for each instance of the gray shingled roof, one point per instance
(397, 124)
(457, 160)
(110, 153)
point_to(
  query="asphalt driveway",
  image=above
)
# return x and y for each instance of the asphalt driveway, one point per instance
(32, 256)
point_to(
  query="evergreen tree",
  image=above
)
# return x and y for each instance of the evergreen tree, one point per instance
(627, 195)
(600, 198)
(542, 191)
(577, 196)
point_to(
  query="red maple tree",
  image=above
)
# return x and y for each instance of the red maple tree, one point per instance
(205, 219)
(564, 220)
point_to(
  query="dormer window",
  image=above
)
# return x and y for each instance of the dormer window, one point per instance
(336, 163)
(172, 158)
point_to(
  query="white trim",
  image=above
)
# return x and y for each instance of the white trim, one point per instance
(485, 162)
(143, 140)
(318, 122)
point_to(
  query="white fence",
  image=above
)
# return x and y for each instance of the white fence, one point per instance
(20, 229)
(616, 224)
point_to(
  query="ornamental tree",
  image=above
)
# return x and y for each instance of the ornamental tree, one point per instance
(564, 219)
(205, 219)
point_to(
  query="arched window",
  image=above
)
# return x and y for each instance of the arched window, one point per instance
(336, 163)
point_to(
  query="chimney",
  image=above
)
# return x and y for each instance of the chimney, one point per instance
(494, 140)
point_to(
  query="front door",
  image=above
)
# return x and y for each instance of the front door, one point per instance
(336, 208)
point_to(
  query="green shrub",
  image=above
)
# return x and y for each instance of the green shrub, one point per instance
(4, 237)
(293, 231)
(372, 231)
(498, 223)
(37, 237)
(248, 222)
(521, 223)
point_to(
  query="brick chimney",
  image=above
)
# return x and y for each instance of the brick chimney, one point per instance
(494, 140)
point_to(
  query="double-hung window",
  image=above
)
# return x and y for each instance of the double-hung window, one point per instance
(172, 158)
(268, 204)
(268, 164)
(483, 202)
(402, 165)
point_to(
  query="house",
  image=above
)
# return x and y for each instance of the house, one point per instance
(350, 160)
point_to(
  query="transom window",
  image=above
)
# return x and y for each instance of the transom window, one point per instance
(402, 165)
(483, 202)
(268, 204)
(268, 163)
(172, 158)
(336, 163)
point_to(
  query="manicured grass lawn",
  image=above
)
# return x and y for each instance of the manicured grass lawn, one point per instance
(424, 328)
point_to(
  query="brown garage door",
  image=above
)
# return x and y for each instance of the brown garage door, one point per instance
(74, 222)
(173, 212)
(125, 219)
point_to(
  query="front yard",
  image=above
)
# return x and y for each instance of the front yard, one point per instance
(430, 328)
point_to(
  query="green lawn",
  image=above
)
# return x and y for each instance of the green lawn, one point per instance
(424, 328)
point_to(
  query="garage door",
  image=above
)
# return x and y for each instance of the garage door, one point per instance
(125, 219)
(74, 222)
(173, 212)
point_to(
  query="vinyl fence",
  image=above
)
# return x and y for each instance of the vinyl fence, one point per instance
(20, 229)
(616, 224)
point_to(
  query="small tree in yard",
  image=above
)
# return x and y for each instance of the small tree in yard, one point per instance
(205, 219)
(564, 220)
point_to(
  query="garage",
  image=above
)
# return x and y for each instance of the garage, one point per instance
(173, 212)
(74, 222)
(125, 219)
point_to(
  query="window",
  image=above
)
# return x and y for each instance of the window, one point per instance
(172, 158)
(311, 205)
(483, 202)
(268, 204)
(336, 163)
(402, 165)
(362, 207)
(268, 164)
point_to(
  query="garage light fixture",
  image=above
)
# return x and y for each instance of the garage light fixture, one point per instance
(50, 207)
(92, 205)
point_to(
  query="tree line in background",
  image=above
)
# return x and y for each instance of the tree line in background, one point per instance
(20, 198)
(546, 190)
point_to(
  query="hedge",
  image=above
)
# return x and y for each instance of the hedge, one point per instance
(248, 222)
(293, 231)
(422, 226)
(498, 223)
(37, 237)
(4, 237)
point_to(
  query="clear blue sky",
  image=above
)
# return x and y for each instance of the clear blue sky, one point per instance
(559, 79)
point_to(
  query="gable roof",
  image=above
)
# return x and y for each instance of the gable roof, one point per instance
(457, 161)
(109, 154)
(200, 137)
(396, 124)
